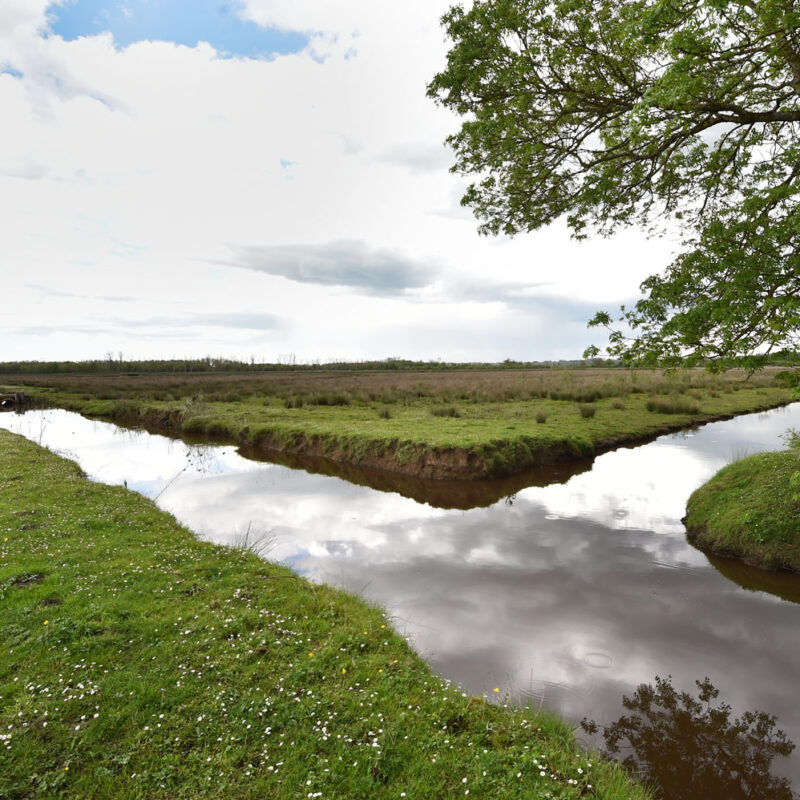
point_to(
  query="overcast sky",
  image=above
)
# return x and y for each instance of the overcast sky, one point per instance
(262, 178)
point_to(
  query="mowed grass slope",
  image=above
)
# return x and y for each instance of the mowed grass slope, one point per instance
(139, 662)
(471, 425)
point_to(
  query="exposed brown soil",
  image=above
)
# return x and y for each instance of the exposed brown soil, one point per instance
(415, 460)
(450, 463)
(439, 493)
(23, 581)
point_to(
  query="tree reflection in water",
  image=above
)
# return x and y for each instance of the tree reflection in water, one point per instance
(689, 748)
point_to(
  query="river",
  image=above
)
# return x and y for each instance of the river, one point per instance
(567, 595)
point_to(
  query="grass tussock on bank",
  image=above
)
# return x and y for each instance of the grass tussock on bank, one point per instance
(751, 509)
(447, 426)
(138, 662)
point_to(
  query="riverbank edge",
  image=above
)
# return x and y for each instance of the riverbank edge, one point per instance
(97, 582)
(494, 458)
(749, 511)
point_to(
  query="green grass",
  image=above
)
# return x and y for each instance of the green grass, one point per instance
(750, 510)
(139, 662)
(502, 424)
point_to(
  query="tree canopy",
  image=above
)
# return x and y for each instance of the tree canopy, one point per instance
(660, 113)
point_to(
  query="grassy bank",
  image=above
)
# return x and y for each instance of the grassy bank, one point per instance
(139, 662)
(449, 426)
(750, 510)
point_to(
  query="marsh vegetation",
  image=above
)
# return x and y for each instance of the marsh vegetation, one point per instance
(296, 389)
(448, 425)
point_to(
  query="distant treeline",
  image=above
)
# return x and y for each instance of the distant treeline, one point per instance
(221, 365)
(208, 364)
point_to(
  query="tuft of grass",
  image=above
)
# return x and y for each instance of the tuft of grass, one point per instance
(541, 417)
(254, 540)
(446, 411)
(385, 413)
(587, 410)
(618, 404)
(140, 662)
(329, 399)
(672, 405)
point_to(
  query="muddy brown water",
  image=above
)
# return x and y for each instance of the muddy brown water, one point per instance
(568, 594)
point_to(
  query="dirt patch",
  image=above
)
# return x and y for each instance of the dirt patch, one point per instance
(24, 581)
(409, 459)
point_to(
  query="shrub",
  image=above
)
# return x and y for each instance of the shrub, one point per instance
(123, 409)
(672, 405)
(579, 395)
(788, 378)
(448, 411)
(330, 399)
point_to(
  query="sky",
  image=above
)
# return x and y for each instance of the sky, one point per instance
(263, 179)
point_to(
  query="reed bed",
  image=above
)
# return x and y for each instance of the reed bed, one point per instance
(296, 390)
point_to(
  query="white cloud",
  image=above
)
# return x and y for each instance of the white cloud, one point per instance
(418, 156)
(132, 172)
(23, 17)
(340, 263)
(345, 17)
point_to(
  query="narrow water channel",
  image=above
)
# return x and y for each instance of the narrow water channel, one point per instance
(567, 595)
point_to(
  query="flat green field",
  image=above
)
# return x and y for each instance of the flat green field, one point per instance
(451, 425)
(139, 662)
